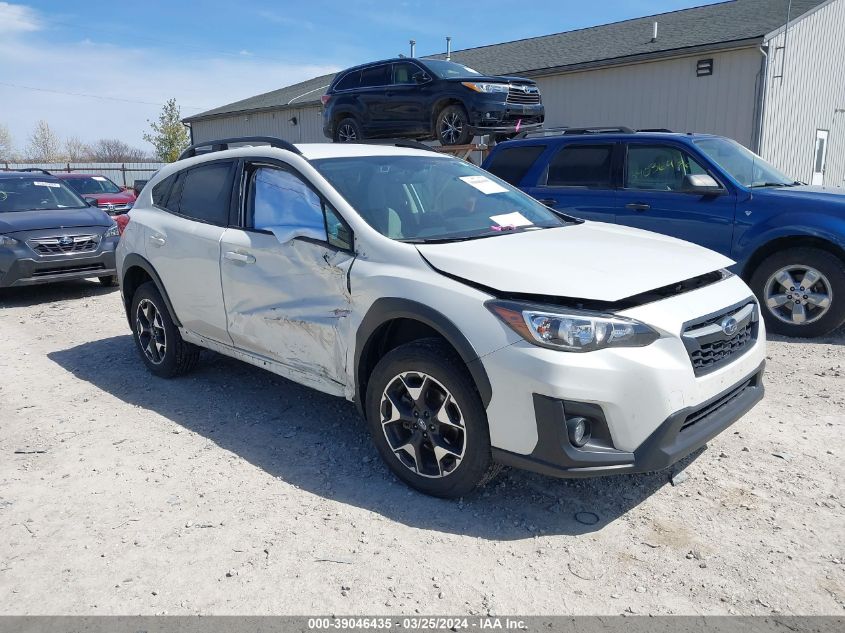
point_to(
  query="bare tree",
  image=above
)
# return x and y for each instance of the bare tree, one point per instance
(7, 149)
(112, 150)
(44, 143)
(76, 150)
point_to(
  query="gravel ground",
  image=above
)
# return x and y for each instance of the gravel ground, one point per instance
(232, 491)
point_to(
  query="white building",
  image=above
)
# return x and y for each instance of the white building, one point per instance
(768, 73)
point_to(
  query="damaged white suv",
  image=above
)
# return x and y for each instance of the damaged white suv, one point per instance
(471, 325)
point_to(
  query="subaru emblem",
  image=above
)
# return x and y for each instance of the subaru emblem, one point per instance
(729, 326)
(65, 241)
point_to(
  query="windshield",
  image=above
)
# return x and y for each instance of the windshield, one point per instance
(744, 165)
(432, 199)
(450, 70)
(29, 193)
(93, 184)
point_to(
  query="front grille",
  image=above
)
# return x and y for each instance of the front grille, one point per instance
(65, 244)
(713, 407)
(44, 272)
(112, 208)
(530, 95)
(716, 340)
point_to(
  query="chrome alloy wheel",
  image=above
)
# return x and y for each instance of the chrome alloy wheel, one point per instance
(423, 424)
(346, 133)
(798, 294)
(151, 334)
(451, 128)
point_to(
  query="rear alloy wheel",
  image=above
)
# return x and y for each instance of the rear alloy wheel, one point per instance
(348, 131)
(801, 291)
(452, 126)
(428, 421)
(157, 338)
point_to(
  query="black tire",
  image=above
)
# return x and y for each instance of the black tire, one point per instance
(452, 126)
(439, 362)
(177, 357)
(827, 264)
(108, 282)
(348, 130)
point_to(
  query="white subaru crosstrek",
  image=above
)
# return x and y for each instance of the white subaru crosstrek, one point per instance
(470, 324)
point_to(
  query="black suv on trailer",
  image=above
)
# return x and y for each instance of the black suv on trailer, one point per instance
(426, 98)
(49, 233)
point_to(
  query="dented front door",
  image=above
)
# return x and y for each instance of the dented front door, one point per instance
(289, 303)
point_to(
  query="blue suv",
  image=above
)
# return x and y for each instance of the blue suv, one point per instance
(787, 238)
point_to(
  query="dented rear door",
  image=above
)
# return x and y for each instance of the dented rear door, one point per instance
(288, 302)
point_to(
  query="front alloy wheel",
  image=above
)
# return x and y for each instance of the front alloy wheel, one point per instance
(423, 424)
(798, 294)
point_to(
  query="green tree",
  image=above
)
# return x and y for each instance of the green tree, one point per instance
(169, 136)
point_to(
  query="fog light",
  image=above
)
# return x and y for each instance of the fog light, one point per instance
(578, 430)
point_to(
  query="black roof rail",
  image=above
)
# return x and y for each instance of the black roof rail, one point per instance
(655, 129)
(38, 169)
(565, 131)
(397, 142)
(543, 131)
(223, 144)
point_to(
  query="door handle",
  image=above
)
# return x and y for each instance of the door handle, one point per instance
(638, 206)
(158, 240)
(241, 258)
(548, 202)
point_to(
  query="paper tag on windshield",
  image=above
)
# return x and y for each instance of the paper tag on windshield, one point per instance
(100, 178)
(484, 184)
(511, 219)
(41, 183)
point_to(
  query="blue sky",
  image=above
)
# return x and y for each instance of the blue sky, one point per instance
(206, 54)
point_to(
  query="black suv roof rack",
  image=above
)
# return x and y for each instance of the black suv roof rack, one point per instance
(656, 129)
(36, 169)
(558, 131)
(223, 144)
(397, 142)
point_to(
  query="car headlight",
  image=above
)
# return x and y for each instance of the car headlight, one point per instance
(7, 241)
(485, 87)
(112, 231)
(571, 330)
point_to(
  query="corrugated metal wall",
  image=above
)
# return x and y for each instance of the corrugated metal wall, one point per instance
(661, 94)
(308, 128)
(812, 87)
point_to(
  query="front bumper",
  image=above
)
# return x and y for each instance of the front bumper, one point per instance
(504, 117)
(20, 266)
(680, 434)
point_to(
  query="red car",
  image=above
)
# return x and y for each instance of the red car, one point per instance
(110, 197)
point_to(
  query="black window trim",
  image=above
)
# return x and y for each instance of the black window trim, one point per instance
(235, 165)
(614, 159)
(704, 164)
(250, 166)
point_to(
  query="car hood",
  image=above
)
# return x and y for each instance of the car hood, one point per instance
(494, 79)
(114, 198)
(591, 261)
(15, 221)
(824, 195)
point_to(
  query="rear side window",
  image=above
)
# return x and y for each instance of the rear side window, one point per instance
(581, 166)
(161, 192)
(511, 164)
(206, 193)
(375, 76)
(349, 81)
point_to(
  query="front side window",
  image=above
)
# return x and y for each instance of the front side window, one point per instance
(403, 73)
(659, 168)
(206, 193)
(581, 166)
(36, 193)
(432, 198)
(746, 167)
(94, 184)
(512, 163)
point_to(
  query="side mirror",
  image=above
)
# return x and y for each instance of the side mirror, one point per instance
(285, 234)
(420, 77)
(702, 184)
(92, 202)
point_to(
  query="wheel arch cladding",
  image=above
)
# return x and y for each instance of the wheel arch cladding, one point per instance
(136, 271)
(789, 241)
(399, 321)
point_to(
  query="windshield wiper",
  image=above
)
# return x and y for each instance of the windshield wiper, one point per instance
(773, 184)
(477, 236)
